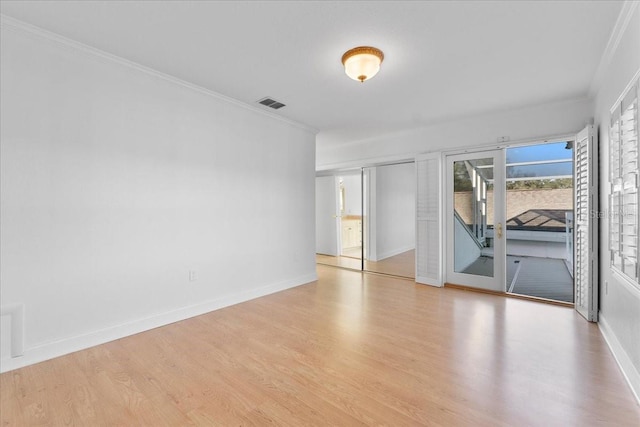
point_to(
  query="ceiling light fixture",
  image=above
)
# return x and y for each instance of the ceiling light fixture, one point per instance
(362, 63)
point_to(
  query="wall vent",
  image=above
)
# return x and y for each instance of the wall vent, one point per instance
(271, 103)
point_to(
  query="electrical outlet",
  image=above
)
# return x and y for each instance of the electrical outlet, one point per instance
(606, 287)
(193, 275)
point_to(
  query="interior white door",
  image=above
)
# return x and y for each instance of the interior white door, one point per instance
(474, 217)
(327, 216)
(586, 228)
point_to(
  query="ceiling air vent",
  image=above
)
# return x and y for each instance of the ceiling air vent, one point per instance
(271, 103)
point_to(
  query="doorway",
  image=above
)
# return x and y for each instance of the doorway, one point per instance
(510, 220)
(539, 220)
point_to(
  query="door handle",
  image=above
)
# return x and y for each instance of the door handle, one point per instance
(499, 230)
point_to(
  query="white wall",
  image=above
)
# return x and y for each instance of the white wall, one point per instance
(326, 215)
(619, 301)
(353, 194)
(466, 250)
(519, 124)
(116, 182)
(395, 210)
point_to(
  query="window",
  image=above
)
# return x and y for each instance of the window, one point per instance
(624, 170)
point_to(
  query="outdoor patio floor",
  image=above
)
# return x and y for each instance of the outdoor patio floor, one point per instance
(538, 277)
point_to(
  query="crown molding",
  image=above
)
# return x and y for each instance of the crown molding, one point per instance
(21, 26)
(624, 17)
(634, 81)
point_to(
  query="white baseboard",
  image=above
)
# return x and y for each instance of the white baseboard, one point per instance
(69, 345)
(629, 371)
(429, 282)
(394, 252)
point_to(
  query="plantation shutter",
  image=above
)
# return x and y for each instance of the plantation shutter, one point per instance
(625, 185)
(428, 220)
(586, 233)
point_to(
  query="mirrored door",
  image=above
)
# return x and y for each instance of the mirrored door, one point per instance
(339, 220)
(475, 220)
(390, 218)
(350, 214)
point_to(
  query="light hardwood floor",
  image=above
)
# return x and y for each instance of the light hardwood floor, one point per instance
(402, 265)
(350, 349)
(339, 261)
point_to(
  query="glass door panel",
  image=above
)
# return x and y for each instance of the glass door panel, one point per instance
(475, 187)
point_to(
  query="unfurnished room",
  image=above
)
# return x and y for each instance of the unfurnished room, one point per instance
(327, 213)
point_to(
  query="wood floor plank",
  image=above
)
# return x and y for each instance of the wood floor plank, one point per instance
(349, 349)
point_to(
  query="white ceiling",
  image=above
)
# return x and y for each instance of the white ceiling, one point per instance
(442, 59)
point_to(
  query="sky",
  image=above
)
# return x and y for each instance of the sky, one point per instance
(552, 151)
